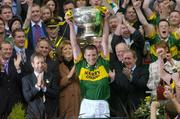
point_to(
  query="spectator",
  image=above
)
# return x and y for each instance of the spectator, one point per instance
(54, 7)
(6, 13)
(129, 86)
(2, 30)
(19, 41)
(46, 13)
(10, 80)
(39, 89)
(69, 99)
(36, 28)
(81, 3)
(132, 37)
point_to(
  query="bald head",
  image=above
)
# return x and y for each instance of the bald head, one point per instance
(120, 48)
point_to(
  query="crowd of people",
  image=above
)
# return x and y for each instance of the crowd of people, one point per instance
(44, 67)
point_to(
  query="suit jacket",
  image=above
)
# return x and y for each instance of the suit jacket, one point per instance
(30, 36)
(37, 108)
(137, 45)
(126, 95)
(10, 89)
(26, 67)
(52, 66)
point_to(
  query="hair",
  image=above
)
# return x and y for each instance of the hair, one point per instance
(15, 31)
(162, 44)
(55, 12)
(90, 47)
(46, 7)
(5, 7)
(68, 2)
(15, 18)
(132, 52)
(61, 46)
(4, 42)
(163, 20)
(44, 39)
(35, 5)
(75, 2)
(112, 17)
(36, 54)
(123, 44)
(175, 11)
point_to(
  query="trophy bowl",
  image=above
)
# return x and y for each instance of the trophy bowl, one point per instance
(89, 22)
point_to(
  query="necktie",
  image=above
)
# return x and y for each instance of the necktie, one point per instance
(5, 68)
(23, 56)
(37, 33)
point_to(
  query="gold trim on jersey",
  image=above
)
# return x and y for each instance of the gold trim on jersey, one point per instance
(95, 75)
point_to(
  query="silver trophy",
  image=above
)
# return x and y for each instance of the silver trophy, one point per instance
(89, 22)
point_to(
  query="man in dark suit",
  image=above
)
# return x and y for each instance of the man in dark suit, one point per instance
(129, 85)
(39, 88)
(36, 28)
(10, 80)
(43, 47)
(19, 41)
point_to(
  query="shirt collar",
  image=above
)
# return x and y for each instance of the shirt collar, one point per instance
(132, 69)
(39, 23)
(36, 73)
(18, 49)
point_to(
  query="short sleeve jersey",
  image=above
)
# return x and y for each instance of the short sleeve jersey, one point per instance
(94, 80)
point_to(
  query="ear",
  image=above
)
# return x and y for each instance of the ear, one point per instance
(32, 64)
(84, 56)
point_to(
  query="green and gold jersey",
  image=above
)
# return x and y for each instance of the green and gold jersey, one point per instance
(94, 80)
(172, 41)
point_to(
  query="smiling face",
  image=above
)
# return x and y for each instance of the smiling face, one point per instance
(174, 18)
(6, 51)
(38, 64)
(113, 22)
(91, 56)
(164, 29)
(19, 39)
(129, 60)
(43, 48)
(7, 14)
(45, 13)
(35, 14)
(51, 5)
(67, 52)
(120, 49)
(131, 14)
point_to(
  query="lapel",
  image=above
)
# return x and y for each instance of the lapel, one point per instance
(10, 66)
(47, 78)
(33, 79)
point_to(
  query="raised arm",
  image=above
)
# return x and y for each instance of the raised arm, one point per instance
(148, 12)
(147, 27)
(28, 17)
(177, 5)
(130, 28)
(74, 44)
(105, 35)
